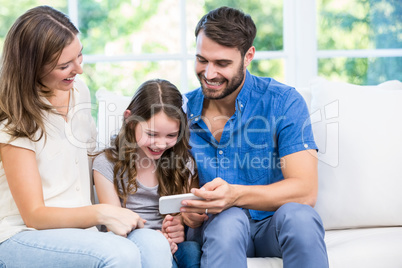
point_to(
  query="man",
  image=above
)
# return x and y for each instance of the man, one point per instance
(255, 153)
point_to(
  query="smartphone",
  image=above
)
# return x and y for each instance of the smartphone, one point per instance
(172, 203)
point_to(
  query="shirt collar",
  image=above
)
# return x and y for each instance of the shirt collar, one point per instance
(244, 93)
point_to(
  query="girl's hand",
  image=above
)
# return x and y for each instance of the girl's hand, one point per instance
(172, 226)
(173, 245)
(120, 221)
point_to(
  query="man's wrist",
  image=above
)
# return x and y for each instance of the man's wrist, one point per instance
(236, 195)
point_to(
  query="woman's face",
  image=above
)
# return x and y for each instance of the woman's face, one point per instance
(68, 66)
(156, 135)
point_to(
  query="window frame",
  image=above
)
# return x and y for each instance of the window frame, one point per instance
(300, 52)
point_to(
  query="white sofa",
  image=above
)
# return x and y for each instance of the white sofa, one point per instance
(359, 132)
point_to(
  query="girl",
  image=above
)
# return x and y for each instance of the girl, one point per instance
(46, 130)
(150, 158)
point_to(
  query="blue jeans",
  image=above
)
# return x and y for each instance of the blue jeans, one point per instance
(83, 248)
(188, 255)
(294, 233)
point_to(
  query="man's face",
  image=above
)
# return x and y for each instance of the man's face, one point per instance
(220, 69)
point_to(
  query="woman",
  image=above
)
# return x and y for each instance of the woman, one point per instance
(46, 131)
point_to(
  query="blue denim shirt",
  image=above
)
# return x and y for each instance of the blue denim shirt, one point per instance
(271, 120)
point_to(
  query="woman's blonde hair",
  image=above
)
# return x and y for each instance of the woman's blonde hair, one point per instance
(35, 41)
(175, 169)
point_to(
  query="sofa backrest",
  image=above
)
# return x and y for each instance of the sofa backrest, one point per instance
(358, 130)
(110, 115)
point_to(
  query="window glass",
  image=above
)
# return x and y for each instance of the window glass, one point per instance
(118, 27)
(11, 10)
(193, 82)
(124, 78)
(359, 24)
(269, 68)
(267, 16)
(361, 71)
(194, 12)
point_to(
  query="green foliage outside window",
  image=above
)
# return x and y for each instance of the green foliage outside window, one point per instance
(151, 30)
(10, 10)
(268, 17)
(113, 22)
(360, 24)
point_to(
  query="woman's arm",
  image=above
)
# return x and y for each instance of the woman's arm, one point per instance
(173, 227)
(25, 184)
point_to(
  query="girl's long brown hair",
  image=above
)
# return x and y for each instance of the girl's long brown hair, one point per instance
(35, 41)
(174, 168)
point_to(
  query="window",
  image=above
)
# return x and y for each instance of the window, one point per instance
(129, 41)
(360, 41)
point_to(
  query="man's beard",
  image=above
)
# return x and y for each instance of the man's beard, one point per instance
(234, 84)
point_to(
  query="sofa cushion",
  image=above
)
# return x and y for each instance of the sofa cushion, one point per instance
(358, 130)
(267, 262)
(365, 247)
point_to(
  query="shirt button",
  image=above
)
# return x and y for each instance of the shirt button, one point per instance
(305, 145)
(220, 152)
(196, 119)
(191, 114)
(77, 188)
(76, 160)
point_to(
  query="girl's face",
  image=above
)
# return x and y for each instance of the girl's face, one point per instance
(68, 66)
(157, 135)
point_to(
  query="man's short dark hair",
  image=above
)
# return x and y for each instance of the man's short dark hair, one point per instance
(228, 27)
